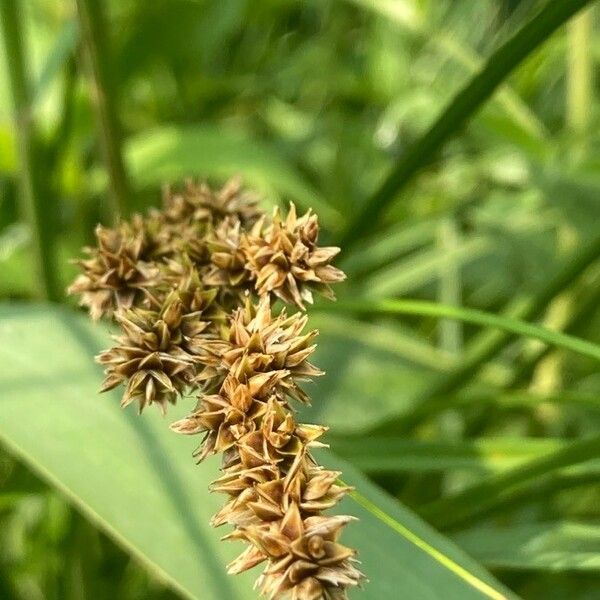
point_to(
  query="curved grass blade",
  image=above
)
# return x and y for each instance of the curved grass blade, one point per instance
(469, 315)
(457, 509)
(497, 68)
(546, 546)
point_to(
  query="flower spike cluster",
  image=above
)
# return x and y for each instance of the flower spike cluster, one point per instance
(191, 287)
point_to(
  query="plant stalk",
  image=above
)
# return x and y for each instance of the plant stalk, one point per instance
(93, 26)
(33, 207)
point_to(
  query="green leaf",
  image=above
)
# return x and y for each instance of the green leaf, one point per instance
(64, 47)
(469, 315)
(137, 480)
(171, 153)
(395, 455)
(480, 497)
(470, 98)
(552, 546)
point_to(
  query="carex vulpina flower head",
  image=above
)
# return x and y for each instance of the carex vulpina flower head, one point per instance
(259, 342)
(191, 287)
(198, 203)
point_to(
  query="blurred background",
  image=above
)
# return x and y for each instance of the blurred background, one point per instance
(314, 102)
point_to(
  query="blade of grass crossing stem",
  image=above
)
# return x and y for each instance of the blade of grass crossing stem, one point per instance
(471, 315)
(486, 589)
(33, 208)
(461, 507)
(411, 20)
(94, 30)
(468, 100)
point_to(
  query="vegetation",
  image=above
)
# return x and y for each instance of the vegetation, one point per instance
(450, 149)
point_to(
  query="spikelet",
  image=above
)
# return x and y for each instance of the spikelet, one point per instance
(191, 287)
(156, 356)
(117, 270)
(285, 260)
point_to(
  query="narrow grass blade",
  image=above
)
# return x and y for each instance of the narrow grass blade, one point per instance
(546, 546)
(95, 32)
(470, 315)
(457, 509)
(497, 68)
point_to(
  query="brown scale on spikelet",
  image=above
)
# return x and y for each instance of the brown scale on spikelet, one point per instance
(181, 284)
(117, 270)
(305, 559)
(285, 260)
(313, 488)
(269, 475)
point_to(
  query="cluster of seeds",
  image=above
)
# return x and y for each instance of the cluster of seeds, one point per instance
(192, 286)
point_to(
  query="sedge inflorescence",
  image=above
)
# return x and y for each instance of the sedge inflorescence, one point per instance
(192, 287)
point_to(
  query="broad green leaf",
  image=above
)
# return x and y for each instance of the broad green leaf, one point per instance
(171, 153)
(468, 100)
(137, 481)
(546, 546)
(483, 455)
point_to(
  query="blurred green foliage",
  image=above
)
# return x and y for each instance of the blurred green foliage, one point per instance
(314, 102)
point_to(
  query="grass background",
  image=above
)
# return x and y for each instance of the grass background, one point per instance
(483, 199)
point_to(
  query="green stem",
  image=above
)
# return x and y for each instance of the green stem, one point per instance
(579, 78)
(34, 209)
(461, 108)
(93, 26)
